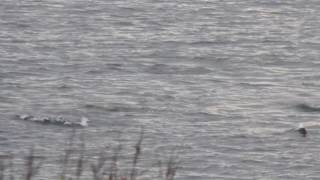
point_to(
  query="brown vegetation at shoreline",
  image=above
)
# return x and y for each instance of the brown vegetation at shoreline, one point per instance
(75, 165)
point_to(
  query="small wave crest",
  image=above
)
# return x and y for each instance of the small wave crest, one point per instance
(174, 69)
(311, 124)
(53, 120)
(262, 132)
(112, 108)
(271, 131)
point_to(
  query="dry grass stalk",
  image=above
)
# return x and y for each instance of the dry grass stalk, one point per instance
(160, 175)
(136, 156)
(2, 169)
(98, 168)
(80, 162)
(172, 167)
(113, 174)
(67, 153)
(11, 168)
(31, 166)
(6, 167)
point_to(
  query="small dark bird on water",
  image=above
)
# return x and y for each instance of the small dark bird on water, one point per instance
(302, 130)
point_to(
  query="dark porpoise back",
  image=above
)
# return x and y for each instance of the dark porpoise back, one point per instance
(302, 130)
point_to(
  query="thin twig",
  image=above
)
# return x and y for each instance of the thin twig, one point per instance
(2, 169)
(172, 167)
(98, 167)
(136, 156)
(66, 158)
(113, 175)
(11, 169)
(81, 158)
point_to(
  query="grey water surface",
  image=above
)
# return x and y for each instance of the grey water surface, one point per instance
(222, 81)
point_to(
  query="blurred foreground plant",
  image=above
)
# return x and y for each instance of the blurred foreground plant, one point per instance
(76, 165)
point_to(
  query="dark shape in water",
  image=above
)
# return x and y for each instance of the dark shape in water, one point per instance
(308, 108)
(302, 130)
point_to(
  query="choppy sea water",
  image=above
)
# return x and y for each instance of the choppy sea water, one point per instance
(225, 81)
